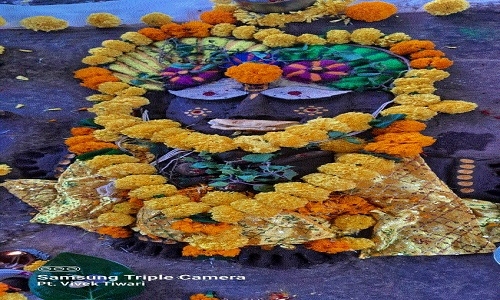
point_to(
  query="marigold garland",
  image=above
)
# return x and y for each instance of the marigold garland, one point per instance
(115, 232)
(189, 226)
(371, 11)
(217, 16)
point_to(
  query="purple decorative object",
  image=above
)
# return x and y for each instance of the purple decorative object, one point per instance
(179, 78)
(316, 71)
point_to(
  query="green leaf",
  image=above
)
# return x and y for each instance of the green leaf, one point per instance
(204, 165)
(218, 184)
(289, 174)
(203, 218)
(385, 121)
(89, 123)
(258, 158)
(97, 278)
(263, 187)
(247, 178)
(352, 140)
(105, 151)
(335, 134)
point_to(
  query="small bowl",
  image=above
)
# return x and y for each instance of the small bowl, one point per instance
(274, 6)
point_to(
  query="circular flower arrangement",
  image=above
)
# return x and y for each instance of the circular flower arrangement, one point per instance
(319, 210)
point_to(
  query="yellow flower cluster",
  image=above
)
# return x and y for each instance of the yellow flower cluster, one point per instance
(381, 165)
(215, 198)
(244, 32)
(136, 181)
(103, 20)
(115, 219)
(446, 7)
(226, 214)
(172, 201)
(103, 51)
(222, 29)
(366, 36)
(329, 182)
(416, 99)
(153, 191)
(4, 169)
(431, 74)
(310, 39)
(44, 23)
(156, 19)
(2, 49)
(453, 106)
(125, 208)
(228, 239)
(103, 161)
(342, 145)
(185, 210)
(303, 190)
(256, 208)
(351, 224)
(125, 169)
(136, 38)
(360, 175)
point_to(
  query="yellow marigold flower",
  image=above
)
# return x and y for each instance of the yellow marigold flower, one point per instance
(97, 59)
(412, 81)
(118, 45)
(132, 91)
(112, 88)
(352, 172)
(103, 161)
(43, 23)
(222, 29)
(119, 124)
(353, 223)
(13, 296)
(355, 120)
(229, 239)
(366, 36)
(172, 137)
(185, 210)
(156, 19)
(446, 7)
(342, 145)
(105, 51)
(133, 101)
(226, 214)
(135, 181)
(2, 21)
(32, 267)
(145, 130)
(417, 99)
(336, 36)
(106, 135)
(357, 243)
(111, 110)
(126, 169)
(329, 124)
(255, 208)
(391, 39)
(99, 97)
(215, 198)
(165, 202)
(263, 33)
(308, 132)
(285, 139)
(152, 191)
(281, 200)
(215, 144)
(255, 144)
(4, 169)
(412, 112)
(103, 20)
(329, 182)
(280, 40)
(310, 39)
(104, 120)
(115, 219)
(381, 165)
(329, 246)
(244, 32)
(273, 20)
(125, 208)
(302, 190)
(411, 89)
(136, 38)
(432, 74)
(371, 11)
(453, 106)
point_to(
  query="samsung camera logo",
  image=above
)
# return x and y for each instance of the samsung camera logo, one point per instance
(58, 269)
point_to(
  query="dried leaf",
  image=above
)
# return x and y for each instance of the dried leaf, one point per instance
(54, 109)
(25, 50)
(22, 78)
(20, 105)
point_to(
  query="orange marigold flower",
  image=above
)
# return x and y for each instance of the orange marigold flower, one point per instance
(329, 246)
(3, 288)
(91, 72)
(90, 146)
(217, 16)
(337, 205)
(136, 202)
(401, 126)
(195, 252)
(427, 53)
(189, 226)
(197, 29)
(406, 138)
(254, 73)
(76, 131)
(371, 11)
(439, 63)
(174, 30)
(401, 150)
(115, 231)
(412, 46)
(94, 82)
(153, 33)
(74, 140)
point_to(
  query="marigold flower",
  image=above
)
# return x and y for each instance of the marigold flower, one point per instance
(115, 232)
(285, 139)
(416, 99)
(255, 208)
(226, 214)
(389, 40)
(411, 89)
(337, 205)
(174, 30)
(353, 223)
(216, 198)
(97, 59)
(401, 126)
(189, 226)
(43, 23)
(127, 208)
(366, 36)
(74, 140)
(135, 181)
(302, 190)
(308, 132)
(118, 45)
(412, 46)
(229, 239)
(165, 202)
(427, 53)
(95, 81)
(2, 49)
(99, 97)
(215, 144)
(254, 73)
(418, 81)
(222, 29)
(412, 112)
(371, 11)
(453, 106)
(132, 91)
(91, 72)
(401, 150)
(432, 74)
(132, 101)
(406, 137)
(126, 169)
(153, 191)
(281, 200)
(329, 124)
(4, 169)
(75, 131)
(358, 243)
(3, 288)
(328, 246)
(310, 39)
(435, 62)
(106, 135)
(185, 210)
(112, 88)
(381, 165)
(115, 219)
(90, 146)
(116, 125)
(355, 120)
(197, 29)
(136, 38)
(102, 161)
(263, 33)
(154, 34)
(104, 120)
(2, 21)
(217, 16)
(329, 182)
(357, 174)
(446, 7)
(103, 20)
(280, 40)
(342, 145)
(195, 252)
(336, 36)
(156, 19)
(146, 130)
(244, 32)
(105, 51)
(255, 144)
